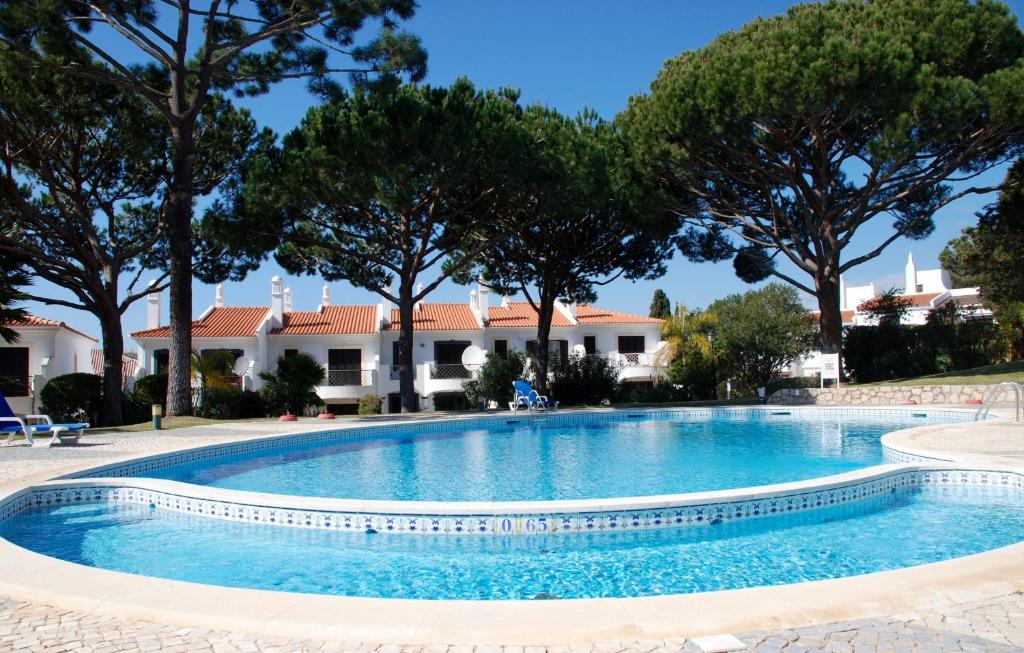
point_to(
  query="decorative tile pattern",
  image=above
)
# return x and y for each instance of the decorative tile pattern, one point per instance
(681, 516)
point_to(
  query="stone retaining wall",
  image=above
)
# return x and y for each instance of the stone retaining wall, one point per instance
(886, 395)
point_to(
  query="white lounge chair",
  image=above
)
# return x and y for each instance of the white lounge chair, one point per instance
(32, 425)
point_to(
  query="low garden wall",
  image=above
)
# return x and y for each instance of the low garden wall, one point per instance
(886, 394)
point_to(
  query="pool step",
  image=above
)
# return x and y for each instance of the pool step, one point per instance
(719, 643)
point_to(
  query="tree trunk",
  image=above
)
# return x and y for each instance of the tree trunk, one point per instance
(830, 321)
(406, 379)
(544, 317)
(113, 380)
(179, 233)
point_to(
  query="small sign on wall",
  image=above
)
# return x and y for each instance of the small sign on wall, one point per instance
(829, 368)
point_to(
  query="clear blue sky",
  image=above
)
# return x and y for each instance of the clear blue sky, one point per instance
(568, 54)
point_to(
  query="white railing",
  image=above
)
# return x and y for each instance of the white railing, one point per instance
(634, 359)
(349, 377)
(442, 371)
(993, 394)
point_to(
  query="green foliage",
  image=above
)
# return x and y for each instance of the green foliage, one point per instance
(212, 368)
(494, 382)
(583, 380)
(74, 397)
(988, 255)
(689, 354)
(754, 134)
(655, 393)
(371, 404)
(896, 351)
(889, 308)
(661, 308)
(292, 387)
(760, 332)
(232, 403)
(151, 389)
(12, 277)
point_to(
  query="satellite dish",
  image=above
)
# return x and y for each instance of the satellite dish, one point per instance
(473, 358)
(241, 365)
(579, 350)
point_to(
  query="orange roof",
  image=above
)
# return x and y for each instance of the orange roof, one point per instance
(333, 320)
(592, 315)
(914, 299)
(36, 322)
(222, 322)
(521, 314)
(128, 365)
(847, 315)
(434, 317)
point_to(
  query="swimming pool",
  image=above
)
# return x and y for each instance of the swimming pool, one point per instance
(540, 460)
(904, 527)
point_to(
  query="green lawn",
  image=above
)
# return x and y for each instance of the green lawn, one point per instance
(985, 374)
(171, 423)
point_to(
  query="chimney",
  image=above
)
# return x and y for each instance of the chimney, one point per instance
(153, 308)
(287, 300)
(419, 304)
(911, 281)
(325, 296)
(277, 300)
(218, 296)
(484, 299)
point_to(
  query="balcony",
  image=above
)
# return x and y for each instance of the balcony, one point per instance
(349, 377)
(446, 371)
(634, 359)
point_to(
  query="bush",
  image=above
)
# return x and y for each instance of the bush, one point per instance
(371, 404)
(231, 403)
(292, 387)
(656, 393)
(786, 382)
(494, 382)
(133, 409)
(73, 398)
(580, 379)
(151, 389)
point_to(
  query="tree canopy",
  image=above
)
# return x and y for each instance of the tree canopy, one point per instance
(177, 54)
(989, 255)
(13, 276)
(584, 222)
(661, 308)
(779, 141)
(389, 188)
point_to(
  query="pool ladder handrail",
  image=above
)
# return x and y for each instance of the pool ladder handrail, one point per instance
(1018, 394)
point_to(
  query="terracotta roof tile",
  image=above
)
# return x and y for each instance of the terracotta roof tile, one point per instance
(223, 322)
(434, 317)
(916, 300)
(592, 315)
(36, 322)
(521, 314)
(333, 320)
(128, 365)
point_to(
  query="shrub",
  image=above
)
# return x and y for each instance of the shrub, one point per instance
(73, 398)
(656, 393)
(231, 403)
(291, 388)
(494, 382)
(786, 382)
(580, 379)
(371, 404)
(133, 409)
(151, 389)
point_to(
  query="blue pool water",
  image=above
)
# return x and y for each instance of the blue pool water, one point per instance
(634, 458)
(907, 527)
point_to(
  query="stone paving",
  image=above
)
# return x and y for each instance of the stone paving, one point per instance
(995, 624)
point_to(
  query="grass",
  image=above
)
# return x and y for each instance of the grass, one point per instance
(171, 423)
(982, 375)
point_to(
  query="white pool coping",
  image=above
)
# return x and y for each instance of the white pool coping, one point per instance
(25, 575)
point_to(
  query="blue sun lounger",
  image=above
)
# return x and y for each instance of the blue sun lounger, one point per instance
(28, 426)
(526, 396)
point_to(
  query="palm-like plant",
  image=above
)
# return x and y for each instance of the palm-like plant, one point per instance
(212, 368)
(292, 386)
(689, 351)
(12, 277)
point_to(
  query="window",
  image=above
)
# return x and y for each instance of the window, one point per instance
(556, 348)
(631, 345)
(590, 344)
(161, 361)
(291, 353)
(344, 367)
(14, 371)
(920, 287)
(501, 348)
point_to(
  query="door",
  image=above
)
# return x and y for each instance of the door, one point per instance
(344, 366)
(631, 349)
(14, 371)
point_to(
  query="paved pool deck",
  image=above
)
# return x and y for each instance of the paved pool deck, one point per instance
(986, 616)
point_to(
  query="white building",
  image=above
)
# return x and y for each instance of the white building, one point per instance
(923, 290)
(45, 349)
(357, 344)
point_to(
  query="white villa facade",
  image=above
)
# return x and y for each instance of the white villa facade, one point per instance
(357, 343)
(45, 349)
(924, 290)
